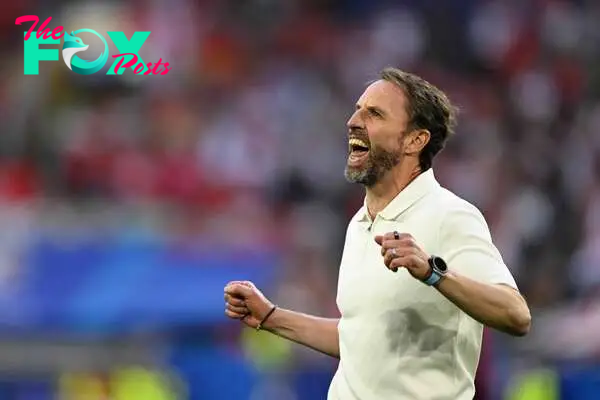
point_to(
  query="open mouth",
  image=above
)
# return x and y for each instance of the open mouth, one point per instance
(358, 146)
(358, 150)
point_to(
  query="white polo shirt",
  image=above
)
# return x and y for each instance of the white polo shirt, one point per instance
(401, 339)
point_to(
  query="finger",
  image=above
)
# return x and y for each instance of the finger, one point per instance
(389, 236)
(379, 239)
(410, 259)
(397, 235)
(388, 256)
(231, 283)
(400, 262)
(238, 290)
(389, 244)
(235, 301)
(233, 315)
(243, 283)
(235, 309)
(402, 242)
(402, 246)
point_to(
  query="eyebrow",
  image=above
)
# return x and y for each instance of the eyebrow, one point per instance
(372, 108)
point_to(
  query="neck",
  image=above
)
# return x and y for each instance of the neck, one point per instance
(383, 192)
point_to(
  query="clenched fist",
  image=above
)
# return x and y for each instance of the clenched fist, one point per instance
(400, 250)
(245, 302)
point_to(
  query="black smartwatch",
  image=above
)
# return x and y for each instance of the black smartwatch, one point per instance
(438, 270)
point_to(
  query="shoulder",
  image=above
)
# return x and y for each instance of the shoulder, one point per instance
(459, 215)
(454, 205)
(445, 204)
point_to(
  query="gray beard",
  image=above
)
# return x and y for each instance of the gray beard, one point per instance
(379, 162)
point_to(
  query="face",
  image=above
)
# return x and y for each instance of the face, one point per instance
(376, 133)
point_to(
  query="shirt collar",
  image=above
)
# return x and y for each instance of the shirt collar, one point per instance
(419, 187)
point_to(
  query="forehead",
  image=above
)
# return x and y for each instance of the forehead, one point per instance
(386, 95)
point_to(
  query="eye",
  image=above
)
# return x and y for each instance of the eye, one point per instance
(374, 112)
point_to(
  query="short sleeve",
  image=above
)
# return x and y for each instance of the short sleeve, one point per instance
(466, 246)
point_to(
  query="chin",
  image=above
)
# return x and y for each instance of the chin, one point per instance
(362, 176)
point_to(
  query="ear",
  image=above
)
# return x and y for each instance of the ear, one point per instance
(416, 140)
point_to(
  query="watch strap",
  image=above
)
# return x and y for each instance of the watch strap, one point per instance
(433, 278)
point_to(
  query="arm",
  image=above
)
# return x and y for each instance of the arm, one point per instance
(498, 306)
(245, 302)
(320, 334)
(478, 282)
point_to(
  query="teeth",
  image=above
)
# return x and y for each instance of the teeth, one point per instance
(357, 142)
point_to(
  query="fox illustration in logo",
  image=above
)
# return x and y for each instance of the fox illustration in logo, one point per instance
(73, 45)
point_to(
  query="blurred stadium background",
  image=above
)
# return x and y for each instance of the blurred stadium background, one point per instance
(126, 203)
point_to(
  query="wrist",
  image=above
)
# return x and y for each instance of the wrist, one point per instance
(448, 276)
(267, 321)
(437, 271)
(428, 274)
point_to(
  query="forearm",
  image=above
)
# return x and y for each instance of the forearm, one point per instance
(320, 334)
(497, 306)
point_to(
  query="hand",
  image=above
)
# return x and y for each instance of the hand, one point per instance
(399, 250)
(245, 302)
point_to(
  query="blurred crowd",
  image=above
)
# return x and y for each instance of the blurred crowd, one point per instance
(243, 143)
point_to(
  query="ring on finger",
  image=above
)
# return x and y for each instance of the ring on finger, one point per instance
(394, 252)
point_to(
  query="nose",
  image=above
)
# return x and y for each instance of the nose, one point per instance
(355, 121)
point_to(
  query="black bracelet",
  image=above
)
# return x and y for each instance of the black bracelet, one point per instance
(259, 326)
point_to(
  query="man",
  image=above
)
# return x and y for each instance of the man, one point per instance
(419, 274)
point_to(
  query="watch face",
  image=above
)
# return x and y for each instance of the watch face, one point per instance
(440, 264)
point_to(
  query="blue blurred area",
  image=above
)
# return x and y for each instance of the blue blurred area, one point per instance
(215, 373)
(580, 382)
(116, 286)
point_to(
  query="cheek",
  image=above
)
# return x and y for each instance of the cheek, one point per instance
(386, 140)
